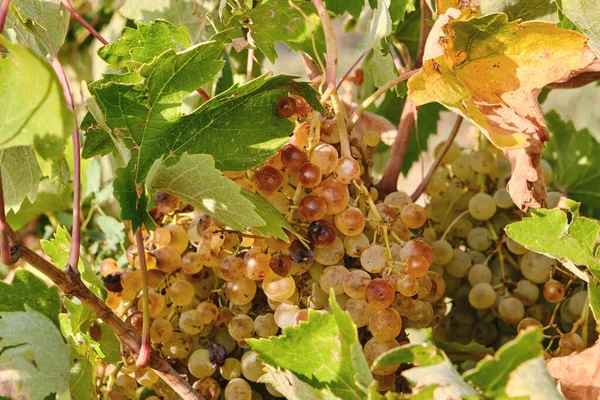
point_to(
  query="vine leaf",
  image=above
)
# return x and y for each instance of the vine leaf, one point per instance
(275, 21)
(294, 388)
(139, 46)
(524, 10)
(41, 24)
(568, 148)
(21, 176)
(585, 14)
(460, 55)
(28, 290)
(31, 108)
(339, 7)
(422, 354)
(549, 232)
(275, 222)
(450, 384)
(34, 358)
(492, 373)
(532, 380)
(335, 361)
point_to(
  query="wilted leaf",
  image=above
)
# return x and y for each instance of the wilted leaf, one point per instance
(461, 55)
(491, 374)
(30, 107)
(578, 374)
(26, 289)
(34, 359)
(335, 360)
(585, 14)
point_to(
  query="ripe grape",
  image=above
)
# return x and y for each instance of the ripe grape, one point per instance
(286, 107)
(238, 389)
(397, 199)
(355, 283)
(165, 203)
(127, 383)
(482, 206)
(482, 296)
(240, 327)
(577, 303)
(570, 343)
(146, 377)
(347, 169)
(417, 266)
(240, 291)
(168, 259)
(161, 331)
(156, 303)
(442, 252)
(332, 254)
(376, 347)
(416, 247)
(459, 265)
(324, 156)
(178, 346)
(553, 199)
(207, 312)
(407, 285)
(371, 138)
(199, 364)
(181, 293)
(385, 324)
(312, 208)
(109, 266)
(479, 273)
(265, 325)
(190, 322)
(277, 288)
(256, 264)
(329, 131)
(321, 233)
(333, 278)
(208, 388)
(179, 237)
(379, 293)
(350, 222)
(281, 264)
(292, 157)
(268, 180)
(373, 259)
(231, 369)
(232, 268)
(300, 254)
(554, 291)
(511, 310)
(112, 282)
(360, 311)
(131, 280)
(309, 175)
(355, 245)
(387, 214)
(252, 367)
(190, 263)
(335, 194)
(285, 315)
(527, 323)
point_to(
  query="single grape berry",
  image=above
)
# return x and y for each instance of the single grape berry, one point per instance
(309, 175)
(286, 106)
(217, 354)
(165, 202)
(112, 282)
(417, 266)
(300, 254)
(281, 264)
(292, 157)
(268, 180)
(554, 291)
(312, 208)
(321, 233)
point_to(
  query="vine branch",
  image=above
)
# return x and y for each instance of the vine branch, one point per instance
(75, 235)
(3, 13)
(421, 188)
(83, 22)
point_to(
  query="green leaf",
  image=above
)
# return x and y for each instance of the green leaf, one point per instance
(399, 9)
(47, 21)
(275, 21)
(51, 197)
(294, 388)
(21, 176)
(531, 380)
(585, 14)
(492, 373)
(549, 232)
(139, 46)
(114, 231)
(109, 345)
(461, 352)
(380, 25)
(191, 13)
(28, 290)
(34, 107)
(380, 66)
(422, 354)
(195, 180)
(83, 375)
(33, 355)
(58, 251)
(335, 360)
(133, 205)
(520, 9)
(339, 7)
(274, 220)
(573, 157)
(450, 384)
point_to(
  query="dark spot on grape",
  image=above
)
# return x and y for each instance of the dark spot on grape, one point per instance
(286, 107)
(112, 282)
(217, 354)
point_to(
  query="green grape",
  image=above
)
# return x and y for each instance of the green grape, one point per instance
(482, 161)
(231, 369)
(482, 206)
(479, 239)
(190, 322)
(461, 167)
(536, 267)
(503, 199)
(238, 389)
(437, 209)
(373, 259)
(161, 331)
(553, 199)
(482, 296)
(479, 273)
(265, 325)
(577, 303)
(436, 186)
(181, 293)
(477, 257)
(200, 365)
(511, 310)
(462, 228)
(453, 152)
(442, 252)
(240, 327)
(252, 367)
(547, 171)
(527, 292)
(459, 265)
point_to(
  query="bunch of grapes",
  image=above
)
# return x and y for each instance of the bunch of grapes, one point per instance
(497, 286)
(212, 287)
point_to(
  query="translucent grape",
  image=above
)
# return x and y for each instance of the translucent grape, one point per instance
(397, 199)
(577, 303)
(333, 278)
(181, 293)
(252, 367)
(208, 388)
(238, 389)
(350, 222)
(554, 291)
(292, 157)
(379, 293)
(570, 343)
(277, 288)
(265, 325)
(482, 161)
(161, 331)
(190, 322)
(330, 255)
(527, 323)
(452, 154)
(347, 169)
(131, 280)
(325, 156)
(417, 266)
(108, 266)
(178, 346)
(256, 264)
(554, 199)
(321, 233)
(355, 283)
(385, 324)
(285, 315)
(168, 259)
(482, 296)
(335, 194)
(461, 167)
(329, 131)
(371, 138)
(267, 180)
(355, 245)
(240, 327)
(309, 175)
(312, 208)
(281, 264)
(417, 247)
(413, 216)
(286, 107)
(232, 268)
(231, 369)
(165, 203)
(407, 285)
(179, 237)
(442, 252)
(374, 348)
(373, 259)
(515, 247)
(241, 291)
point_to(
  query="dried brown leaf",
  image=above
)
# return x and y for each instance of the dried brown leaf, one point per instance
(578, 374)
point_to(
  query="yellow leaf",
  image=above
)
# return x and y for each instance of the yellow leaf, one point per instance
(467, 7)
(490, 71)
